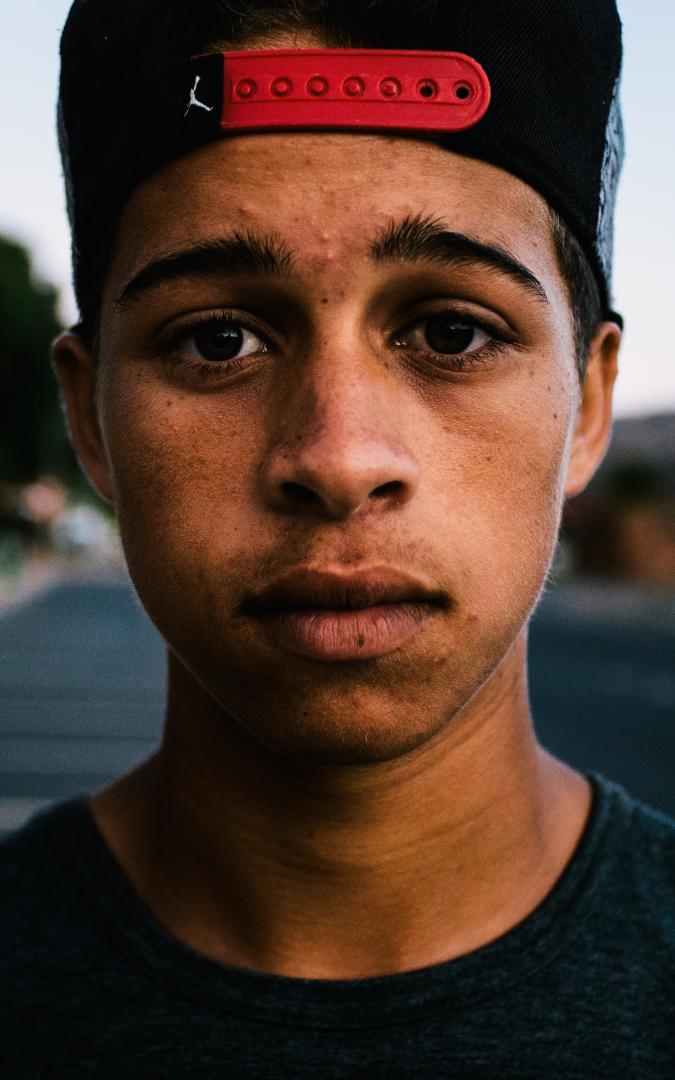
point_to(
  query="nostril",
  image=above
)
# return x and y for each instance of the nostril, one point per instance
(392, 487)
(299, 492)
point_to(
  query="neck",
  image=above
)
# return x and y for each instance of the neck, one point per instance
(323, 872)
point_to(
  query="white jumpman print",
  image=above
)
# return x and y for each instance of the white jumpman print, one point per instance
(193, 99)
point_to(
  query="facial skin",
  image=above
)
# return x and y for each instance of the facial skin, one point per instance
(337, 448)
(342, 442)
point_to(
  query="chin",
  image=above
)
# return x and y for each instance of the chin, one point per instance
(349, 749)
(354, 713)
(358, 729)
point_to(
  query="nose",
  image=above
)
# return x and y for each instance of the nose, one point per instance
(339, 450)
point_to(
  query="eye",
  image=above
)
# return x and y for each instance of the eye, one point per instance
(220, 340)
(447, 333)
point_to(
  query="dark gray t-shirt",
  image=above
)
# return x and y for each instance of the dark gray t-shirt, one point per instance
(583, 988)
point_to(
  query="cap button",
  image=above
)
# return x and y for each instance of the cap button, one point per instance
(354, 86)
(317, 86)
(390, 88)
(246, 88)
(282, 87)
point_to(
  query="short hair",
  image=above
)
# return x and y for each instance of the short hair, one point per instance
(582, 288)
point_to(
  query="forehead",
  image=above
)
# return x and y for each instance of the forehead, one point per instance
(325, 196)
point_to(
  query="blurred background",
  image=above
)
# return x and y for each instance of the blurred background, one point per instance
(82, 669)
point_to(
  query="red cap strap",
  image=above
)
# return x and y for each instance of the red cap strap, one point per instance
(336, 88)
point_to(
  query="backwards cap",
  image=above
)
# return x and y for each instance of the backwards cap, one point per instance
(535, 92)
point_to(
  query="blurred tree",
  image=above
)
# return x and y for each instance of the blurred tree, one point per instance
(32, 432)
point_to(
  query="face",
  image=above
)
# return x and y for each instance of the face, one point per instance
(347, 354)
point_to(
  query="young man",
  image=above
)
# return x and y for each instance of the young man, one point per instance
(346, 346)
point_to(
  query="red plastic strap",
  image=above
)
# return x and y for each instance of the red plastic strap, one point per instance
(352, 88)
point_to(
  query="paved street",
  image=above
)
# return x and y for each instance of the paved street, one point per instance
(602, 672)
(81, 688)
(81, 695)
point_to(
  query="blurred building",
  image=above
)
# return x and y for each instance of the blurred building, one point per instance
(623, 525)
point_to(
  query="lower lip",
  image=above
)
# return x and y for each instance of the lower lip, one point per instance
(347, 635)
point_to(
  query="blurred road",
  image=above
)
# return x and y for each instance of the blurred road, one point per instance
(81, 691)
(82, 671)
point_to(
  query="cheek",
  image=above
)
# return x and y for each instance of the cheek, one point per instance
(181, 474)
(499, 484)
(185, 471)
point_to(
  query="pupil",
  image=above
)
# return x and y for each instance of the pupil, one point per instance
(447, 336)
(219, 342)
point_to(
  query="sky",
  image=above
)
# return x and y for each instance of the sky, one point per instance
(32, 203)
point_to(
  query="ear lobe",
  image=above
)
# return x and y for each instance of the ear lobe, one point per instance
(594, 415)
(73, 363)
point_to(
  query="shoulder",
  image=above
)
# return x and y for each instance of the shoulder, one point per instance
(649, 832)
(640, 863)
(33, 850)
(39, 893)
(652, 840)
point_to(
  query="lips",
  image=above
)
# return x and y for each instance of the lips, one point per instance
(324, 615)
(333, 591)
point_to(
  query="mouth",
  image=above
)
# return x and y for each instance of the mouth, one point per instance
(330, 616)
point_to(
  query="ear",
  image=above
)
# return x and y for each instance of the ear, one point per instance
(594, 415)
(74, 367)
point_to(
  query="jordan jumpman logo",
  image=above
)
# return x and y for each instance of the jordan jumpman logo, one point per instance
(193, 100)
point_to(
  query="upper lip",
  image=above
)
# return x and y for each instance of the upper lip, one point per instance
(322, 589)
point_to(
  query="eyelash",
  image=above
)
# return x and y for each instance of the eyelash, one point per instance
(169, 345)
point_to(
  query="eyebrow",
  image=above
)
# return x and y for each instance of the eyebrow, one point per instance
(242, 254)
(425, 239)
(415, 238)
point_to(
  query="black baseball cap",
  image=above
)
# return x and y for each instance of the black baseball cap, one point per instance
(554, 118)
